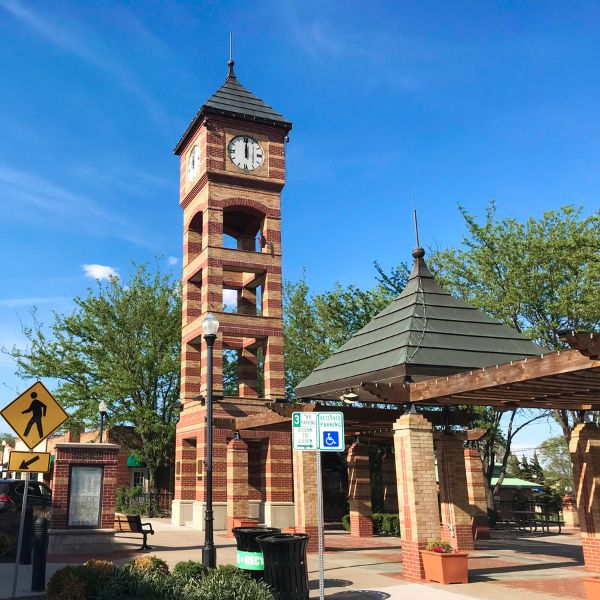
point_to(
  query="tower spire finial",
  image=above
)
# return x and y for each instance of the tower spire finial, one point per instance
(230, 62)
(418, 252)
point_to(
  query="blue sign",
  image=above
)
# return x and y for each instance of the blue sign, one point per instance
(331, 439)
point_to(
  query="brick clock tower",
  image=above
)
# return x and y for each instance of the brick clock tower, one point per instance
(232, 171)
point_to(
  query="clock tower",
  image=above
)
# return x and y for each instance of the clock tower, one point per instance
(232, 172)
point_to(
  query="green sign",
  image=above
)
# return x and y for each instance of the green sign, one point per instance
(250, 561)
(323, 431)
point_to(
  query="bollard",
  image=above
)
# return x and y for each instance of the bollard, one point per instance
(40, 550)
(25, 558)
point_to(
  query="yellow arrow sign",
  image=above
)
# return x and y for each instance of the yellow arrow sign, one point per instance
(34, 415)
(29, 462)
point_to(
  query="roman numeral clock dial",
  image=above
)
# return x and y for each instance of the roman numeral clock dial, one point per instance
(245, 153)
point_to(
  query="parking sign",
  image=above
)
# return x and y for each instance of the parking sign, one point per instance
(318, 431)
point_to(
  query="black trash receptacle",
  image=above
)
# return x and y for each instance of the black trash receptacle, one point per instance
(285, 564)
(249, 555)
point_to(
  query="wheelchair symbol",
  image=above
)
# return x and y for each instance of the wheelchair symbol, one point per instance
(331, 439)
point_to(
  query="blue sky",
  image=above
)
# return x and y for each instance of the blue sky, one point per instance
(393, 103)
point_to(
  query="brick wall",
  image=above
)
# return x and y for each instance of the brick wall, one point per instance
(70, 454)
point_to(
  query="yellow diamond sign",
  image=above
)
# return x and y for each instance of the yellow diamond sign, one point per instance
(29, 462)
(34, 415)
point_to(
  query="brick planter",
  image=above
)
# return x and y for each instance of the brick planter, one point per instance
(446, 567)
(591, 585)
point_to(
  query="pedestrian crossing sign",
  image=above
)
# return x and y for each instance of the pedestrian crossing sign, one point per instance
(34, 415)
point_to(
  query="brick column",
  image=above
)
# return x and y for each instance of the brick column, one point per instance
(237, 483)
(279, 481)
(569, 510)
(305, 496)
(454, 496)
(390, 486)
(585, 456)
(67, 537)
(417, 489)
(359, 491)
(477, 498)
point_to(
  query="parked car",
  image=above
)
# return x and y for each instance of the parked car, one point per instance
(39, 495)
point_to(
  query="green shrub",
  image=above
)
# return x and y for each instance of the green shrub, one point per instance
(226, 583)
(346, 522)
(8, 544)
(377, 519)
(69, 583)
(187, 570)
(148, 564)
(390, 525)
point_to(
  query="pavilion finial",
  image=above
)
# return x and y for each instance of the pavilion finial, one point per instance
(418, 252)
(230, 62)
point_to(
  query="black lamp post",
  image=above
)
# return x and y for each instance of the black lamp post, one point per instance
(210, 326)
(102, 411)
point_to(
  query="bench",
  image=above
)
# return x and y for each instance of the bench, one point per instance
(133, 524)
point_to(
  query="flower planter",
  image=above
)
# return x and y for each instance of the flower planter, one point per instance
(591, 585)
(446, 567)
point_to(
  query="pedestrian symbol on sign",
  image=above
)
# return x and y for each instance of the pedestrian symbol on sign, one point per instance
(331, 439)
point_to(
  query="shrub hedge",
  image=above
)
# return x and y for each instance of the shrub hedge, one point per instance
(148, 578)
(383, 523)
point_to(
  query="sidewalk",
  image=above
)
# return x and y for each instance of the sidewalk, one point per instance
(535, 568)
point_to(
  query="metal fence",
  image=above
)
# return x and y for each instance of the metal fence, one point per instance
(150, 505)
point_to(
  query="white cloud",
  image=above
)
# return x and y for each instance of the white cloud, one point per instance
(172, 260)
(229, 298)
(33, 301)
(99, 271)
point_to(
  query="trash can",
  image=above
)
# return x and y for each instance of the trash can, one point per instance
(249, 555)
(285, 564)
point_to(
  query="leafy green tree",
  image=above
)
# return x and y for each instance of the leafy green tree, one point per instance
(513, 467)
(122, 345)
(9, 438)
(556, 460)
(537, 472)
(316, 325)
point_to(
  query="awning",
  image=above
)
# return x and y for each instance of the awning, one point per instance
(132, 461)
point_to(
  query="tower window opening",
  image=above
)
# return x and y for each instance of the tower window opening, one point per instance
(242, 228)
(230, 300)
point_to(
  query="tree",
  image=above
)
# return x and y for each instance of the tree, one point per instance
(539, 277)
(556, 461)
(8, 438)
(513, 467)
(122, 345)
(316, 325)
(537, 472)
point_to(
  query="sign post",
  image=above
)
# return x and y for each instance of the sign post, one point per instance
(318, 432)
(33, 416)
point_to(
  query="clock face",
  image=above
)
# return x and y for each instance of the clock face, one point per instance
(193, 163)
(246, 153)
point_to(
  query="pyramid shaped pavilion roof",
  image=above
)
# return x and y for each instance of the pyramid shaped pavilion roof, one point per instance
(425, 332)
(232, 99)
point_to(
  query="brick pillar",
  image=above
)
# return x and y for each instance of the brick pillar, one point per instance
(359, 490)
(279, 481)
(569, 510)
(237, 483)
(67, 535)
(477, 497)
(305, 497)
(274, 376)
(390, 486)
(454, 496)
(585, 456)
(417, 490)
(247, 374)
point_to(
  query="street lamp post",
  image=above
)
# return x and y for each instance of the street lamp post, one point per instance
(102, 411)
(210, 326)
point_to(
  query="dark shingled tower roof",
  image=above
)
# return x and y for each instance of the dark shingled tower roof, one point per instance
(232, 99)
(423, 333)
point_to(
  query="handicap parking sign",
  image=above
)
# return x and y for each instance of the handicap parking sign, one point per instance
(331, 439)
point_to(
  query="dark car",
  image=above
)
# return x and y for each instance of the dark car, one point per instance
(39, 495)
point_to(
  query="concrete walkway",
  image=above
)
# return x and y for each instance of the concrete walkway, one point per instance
(515, 566)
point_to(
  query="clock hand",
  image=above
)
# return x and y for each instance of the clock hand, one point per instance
(246, 150)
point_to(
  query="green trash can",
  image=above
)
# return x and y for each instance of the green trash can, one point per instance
(285, 564)
(249, 555)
